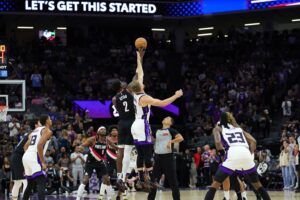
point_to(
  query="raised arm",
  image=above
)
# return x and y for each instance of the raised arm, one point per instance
(139, 69)
(89, 142)
(25, 147)
(251, 141)
(148, 100)
(40, 147)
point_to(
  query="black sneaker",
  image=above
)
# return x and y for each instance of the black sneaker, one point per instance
(118, 198)
(121, 185)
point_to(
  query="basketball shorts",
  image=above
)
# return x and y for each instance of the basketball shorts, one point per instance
(32, 165)
(17, 169)
(124, 135)
(239, 160)
(141, 132)
(100, 169)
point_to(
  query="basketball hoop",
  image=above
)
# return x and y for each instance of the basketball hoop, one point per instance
(3, 113)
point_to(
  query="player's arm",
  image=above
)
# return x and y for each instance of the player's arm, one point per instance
(251, 141)
(139, 69)
(26, 145)
(148, 100)
(89, 142)
(216, 132)
(113, 145)
(40, 146)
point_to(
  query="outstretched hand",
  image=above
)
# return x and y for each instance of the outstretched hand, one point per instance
(179, 93)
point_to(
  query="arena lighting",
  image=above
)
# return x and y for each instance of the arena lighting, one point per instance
(226, 36)
(61, 28)
(206, 28)
(204, 34)
(25, 27)
(252, 24)
(168, 41)
(295, 20)
(158, 29)
(261, 1)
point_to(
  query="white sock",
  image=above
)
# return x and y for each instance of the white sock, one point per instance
(16, 189)
(25, 183)
(126, 160)
(103, 188)
(226, 195)
(119, 176)
(244, 195)
(80, 191)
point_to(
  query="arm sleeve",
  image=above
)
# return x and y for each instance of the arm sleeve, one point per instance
(173, 132)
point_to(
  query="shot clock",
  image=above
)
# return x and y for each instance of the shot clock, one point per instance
(3, 61)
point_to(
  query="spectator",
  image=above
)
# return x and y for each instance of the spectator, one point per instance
(48, 81)
(206, 164)
(77, 161)
(198, 162)
(14, 127)
(29, 115)
(292, 165)
(6, 183)
(284, 165)
(286, 107)
(64, 163)
(48, 158)
(36, 80)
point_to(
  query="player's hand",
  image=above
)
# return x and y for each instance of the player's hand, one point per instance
(44, 166)
(140, 54)
(169, 145)
(179, 93)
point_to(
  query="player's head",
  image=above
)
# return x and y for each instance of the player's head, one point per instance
(226, 119)
(101, 131)
(136, 87)
(168, 121)
(45, 120)
(116, 85)
(113, 130)
(34, 124)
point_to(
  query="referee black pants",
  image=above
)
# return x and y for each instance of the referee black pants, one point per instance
(165, 164)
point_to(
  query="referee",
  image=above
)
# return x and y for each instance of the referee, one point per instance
(164, 159)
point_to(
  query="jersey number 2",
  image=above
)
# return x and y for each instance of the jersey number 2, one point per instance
(235, 137)
(33, 140)
(125, 104)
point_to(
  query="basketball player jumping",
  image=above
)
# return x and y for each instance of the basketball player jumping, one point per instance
(240, 147)
(140, 129)
(33, 159)
(16, 159)
(96, 160)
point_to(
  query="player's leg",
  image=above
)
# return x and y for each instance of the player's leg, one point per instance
(126, 160)
(87, 174)
(16, 189)
(220, 177)
(226, 188)
(242, 189)
(106, 187)
(254, 179)
(140, 162)
(120, 157)
(29, 188)
(237, 187)
(148, 154)
(41, 186)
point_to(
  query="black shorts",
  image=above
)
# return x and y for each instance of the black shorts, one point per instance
(99, 167)
(125, 136)
(112, 168)
(17, 169)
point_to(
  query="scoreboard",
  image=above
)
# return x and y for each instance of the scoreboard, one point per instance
(3, 61)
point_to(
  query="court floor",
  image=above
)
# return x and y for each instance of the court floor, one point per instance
(190, 195)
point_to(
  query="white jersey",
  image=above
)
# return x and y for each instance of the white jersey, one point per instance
(35, 138)
(141, 112)
(234, 136)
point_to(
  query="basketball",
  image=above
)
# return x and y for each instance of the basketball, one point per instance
(141, 43)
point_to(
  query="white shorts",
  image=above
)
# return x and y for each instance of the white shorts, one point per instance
(239, 159)
(141, 132)
(32, 166)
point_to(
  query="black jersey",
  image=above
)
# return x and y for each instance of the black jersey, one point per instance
(111, 153)
(97, 151)
(19, 149)
(125, 105)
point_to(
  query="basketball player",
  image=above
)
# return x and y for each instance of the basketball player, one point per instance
(164, 162)
(33, 158)
(140, 129)
(96, 160)
(123, 102)
(240, 147)
(16, 158)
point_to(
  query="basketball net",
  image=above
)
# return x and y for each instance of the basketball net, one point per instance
(3, 113)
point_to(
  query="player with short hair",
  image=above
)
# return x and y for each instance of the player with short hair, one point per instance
(33, 158)
(239, 146)
(140, 129)
(16, 158)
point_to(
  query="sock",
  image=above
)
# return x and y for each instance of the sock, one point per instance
(119, 176)
(141, 175)
(263, 193)
(239, 195)
(80, 191)
(210, 194)
(226, 195)
(103, 188)
(25, 183)
(16, 189)
(244, 195)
